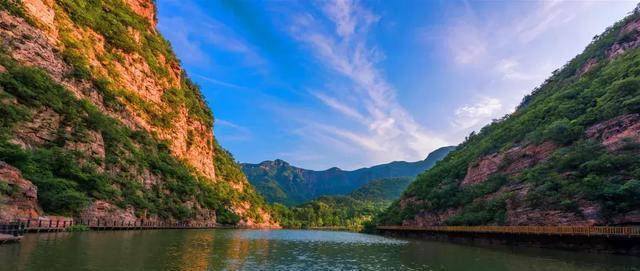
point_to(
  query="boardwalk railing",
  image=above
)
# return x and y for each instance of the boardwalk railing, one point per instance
(552, 230)
(45, 225)
(12, 228)
(142, 224)
(52, 225)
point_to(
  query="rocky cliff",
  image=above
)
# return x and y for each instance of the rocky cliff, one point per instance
(568, 155)
(97, 107)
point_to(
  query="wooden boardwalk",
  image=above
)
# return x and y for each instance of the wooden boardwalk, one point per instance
(39, 225)
(515, 230)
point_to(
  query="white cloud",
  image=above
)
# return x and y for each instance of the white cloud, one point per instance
(235, 132)
(467, 43)
(385, 130)
(219, 82)
(510, 69)
(504, 54)
(340, 107)
(479, 113)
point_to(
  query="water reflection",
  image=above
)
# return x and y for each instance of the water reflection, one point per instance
(194, 253)
(190, 250)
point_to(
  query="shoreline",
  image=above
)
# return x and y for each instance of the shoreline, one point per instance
(600, 244)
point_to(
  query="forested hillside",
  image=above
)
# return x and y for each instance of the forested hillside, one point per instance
(99, 121)
(351, 211)
(283, 183)
(568, 155)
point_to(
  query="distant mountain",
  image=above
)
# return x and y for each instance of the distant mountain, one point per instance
(383, 190)
(278, 181)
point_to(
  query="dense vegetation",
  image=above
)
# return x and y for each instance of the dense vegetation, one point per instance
(282, 183)
(115, 26)
(137, 169)
(350, 211)
(559, 110)
(67, 180)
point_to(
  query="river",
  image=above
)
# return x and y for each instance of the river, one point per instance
(280, 250)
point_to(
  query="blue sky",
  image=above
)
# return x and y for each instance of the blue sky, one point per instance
(358, 83)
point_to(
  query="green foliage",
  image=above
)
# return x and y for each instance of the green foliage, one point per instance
(563, 131)
(15, 8)
(352, 211)
(280, 182)
(480, 213)
(559, 110)
(68, 180)
(596, 175)
(7, 189)
(228, 171)
(77, 228)
(112, 24)
(189, 96)
(112, 18)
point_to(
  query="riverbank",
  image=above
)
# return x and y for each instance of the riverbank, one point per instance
(610, 240)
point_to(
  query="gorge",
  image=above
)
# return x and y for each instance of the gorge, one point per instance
(108, 158)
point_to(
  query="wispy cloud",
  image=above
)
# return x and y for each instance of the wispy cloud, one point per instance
(479, 113)
(200, 32)
(509, 53)
(340, 107)
(219, 82)
(385, 131)
(234, 132)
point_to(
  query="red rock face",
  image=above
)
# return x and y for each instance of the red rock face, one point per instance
(614, 133)
(144, 8)
(510, 162)
(104, 211)
(519, 158)
(22, 200)
(520, 213)
(429, 218)
(629, 39)
(588, 66)
(479, 172)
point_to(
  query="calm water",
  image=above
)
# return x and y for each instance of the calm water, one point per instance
(279, 250)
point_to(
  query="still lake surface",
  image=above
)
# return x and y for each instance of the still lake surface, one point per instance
(280, 250)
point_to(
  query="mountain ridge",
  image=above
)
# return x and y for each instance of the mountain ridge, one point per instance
(281, 182)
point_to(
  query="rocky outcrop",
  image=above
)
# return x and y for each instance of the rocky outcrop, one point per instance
(588, 66)
(18, 196)
(41, 129)
(520, 212)
(144, 8)
(510, 162)
(104, 211)
(426, 218)
(480, 171)
(131, 83)
(190, 138)
(617, 132)
(628, 38)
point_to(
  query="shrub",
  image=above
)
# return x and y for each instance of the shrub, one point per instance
(563, 131)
